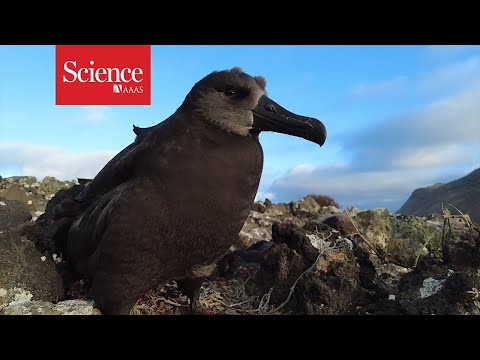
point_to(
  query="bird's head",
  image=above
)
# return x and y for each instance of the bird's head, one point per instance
(238, 103)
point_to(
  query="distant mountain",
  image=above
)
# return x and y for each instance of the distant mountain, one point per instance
(464, 193)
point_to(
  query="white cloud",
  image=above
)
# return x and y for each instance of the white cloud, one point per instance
(346, 183)
(262, 196)
(452, 119)
(386, 87)
(302, 169)
(96, 113)
(442, 125)
(451, 74)
(428, 156)
(41, 161)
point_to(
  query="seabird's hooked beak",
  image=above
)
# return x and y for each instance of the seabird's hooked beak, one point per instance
(269, 116)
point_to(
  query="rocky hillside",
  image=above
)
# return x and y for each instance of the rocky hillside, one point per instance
(305, 257)
(34, 194)
(463, 193)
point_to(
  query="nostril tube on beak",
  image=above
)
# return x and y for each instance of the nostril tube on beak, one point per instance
(271, 108)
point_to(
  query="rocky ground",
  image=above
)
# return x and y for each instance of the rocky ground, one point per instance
(305, 257)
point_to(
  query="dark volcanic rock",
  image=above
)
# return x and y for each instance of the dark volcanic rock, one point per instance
(341, 223)
(464, 193)
(296, 238)
(25, 273)
(51, 228)
(279, 269)
(255, 252)
(13, 213)
(332, 286)
(330, 280)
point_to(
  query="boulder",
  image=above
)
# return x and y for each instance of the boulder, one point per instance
(25, 273)
(24, 181)
(342, 223)
(66, 307)
(258, 225)
(317, 263)
(50, 185)
(374, 225)
(412, 238)
(400, 239)
(13, 213)
(19, 193)
(307, 204)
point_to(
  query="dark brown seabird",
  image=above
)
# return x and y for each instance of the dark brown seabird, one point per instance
(171, 204)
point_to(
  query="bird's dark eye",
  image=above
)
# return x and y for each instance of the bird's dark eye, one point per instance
(229, 92)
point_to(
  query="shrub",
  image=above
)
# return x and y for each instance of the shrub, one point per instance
(324, 200)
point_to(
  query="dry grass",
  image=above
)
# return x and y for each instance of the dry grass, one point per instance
(227, 297)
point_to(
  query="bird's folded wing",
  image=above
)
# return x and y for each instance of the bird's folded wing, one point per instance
(117, 170)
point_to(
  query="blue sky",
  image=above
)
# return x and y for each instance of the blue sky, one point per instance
(398, 117)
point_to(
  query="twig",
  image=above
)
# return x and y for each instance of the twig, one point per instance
(263, 303)
(295, 283)
(224, 295)
(363, 237)
(236, 304)
(251, 276)
(170, 302)
(265, 300)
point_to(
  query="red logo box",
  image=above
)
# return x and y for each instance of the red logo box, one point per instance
(102, 75)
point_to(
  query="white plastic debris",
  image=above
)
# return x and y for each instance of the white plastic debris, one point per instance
(2, 203)
(29, 202)
(43, 258)
(391, 297)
